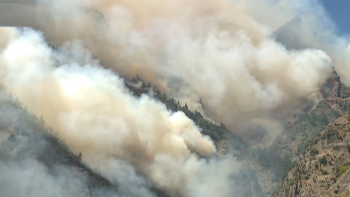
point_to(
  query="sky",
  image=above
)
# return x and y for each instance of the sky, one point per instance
(338, 10)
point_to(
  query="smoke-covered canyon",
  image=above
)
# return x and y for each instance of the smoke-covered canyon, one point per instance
(239, 64)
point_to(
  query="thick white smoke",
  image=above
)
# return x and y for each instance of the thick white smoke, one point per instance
(315, 29)
(93, 113)
(219, 52)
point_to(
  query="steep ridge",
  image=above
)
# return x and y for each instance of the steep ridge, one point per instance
(29, 149)
(258, 178)
(323, 171)
(263, 167)
(299, 133)
(270, 164)
(25, 138)
(266, 165)
(322, 150)
(290, 146)
(225, 140)
(340, 97)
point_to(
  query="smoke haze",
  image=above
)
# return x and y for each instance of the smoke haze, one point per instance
(93, 113)
(219, 53)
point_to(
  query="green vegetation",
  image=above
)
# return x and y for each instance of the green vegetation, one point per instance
(275, 158)
(307, 177)
(215, 132)
(311, 124)
(208, 128)
(324, 172)
(332, 136)
(333, 179)
(347, 194)
(323, 160)
(314, 151)
(270, 158)
(342, 170)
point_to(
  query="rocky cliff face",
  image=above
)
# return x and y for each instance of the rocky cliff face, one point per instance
(340, 97)
(275, 161)
(323, 169)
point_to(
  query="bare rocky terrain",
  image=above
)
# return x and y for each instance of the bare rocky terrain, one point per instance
(323, 169)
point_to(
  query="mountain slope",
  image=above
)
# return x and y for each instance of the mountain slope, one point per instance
(291, 145)
(29, 152)
(269, 165)
(263, 167)
(225, 140)
(325, 156)
(25, 141)
(38, 163)
(323, 169)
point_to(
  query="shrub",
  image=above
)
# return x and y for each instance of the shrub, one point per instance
(323, 119)
(332, 136)
(314, 151)
(347, 194)
(334, 180)
(342, 170)
(323, 160)
(324, 172)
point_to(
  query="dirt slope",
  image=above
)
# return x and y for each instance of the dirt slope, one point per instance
(323, 169)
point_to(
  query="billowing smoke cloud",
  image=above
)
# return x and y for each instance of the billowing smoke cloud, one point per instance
(133, 142)
(20, 178)
(312, 28)
(219, 52)
(32, 163)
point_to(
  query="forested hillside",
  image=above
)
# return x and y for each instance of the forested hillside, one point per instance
(271, 164)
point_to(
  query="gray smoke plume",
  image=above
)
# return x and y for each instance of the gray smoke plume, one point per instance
(32, 163)
(225, 55)
(221, 53)
(119, 136)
